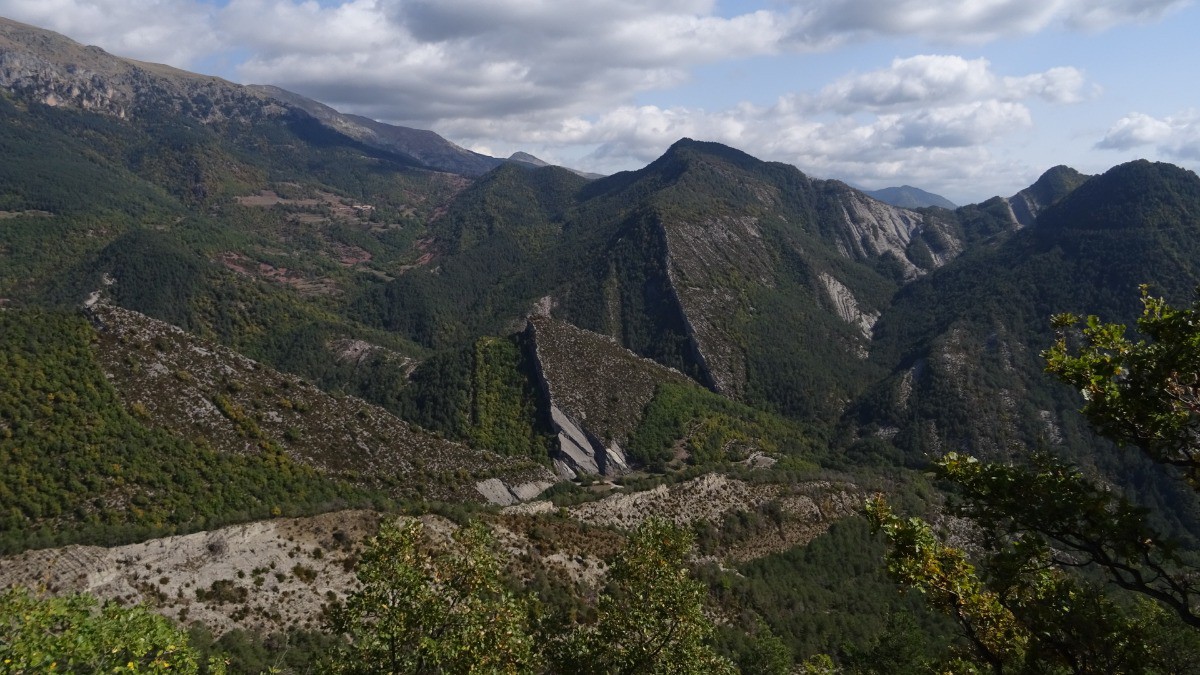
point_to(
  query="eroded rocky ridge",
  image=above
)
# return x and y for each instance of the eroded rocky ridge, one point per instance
(280, 574)
(48, 68)
(806, 509)
(846, 305)
(874, 229)
(197, 389)
(596, 390)
(708, 261)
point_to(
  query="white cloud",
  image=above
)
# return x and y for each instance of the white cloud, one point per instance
(942, 146)
(926, 118)
(944, 79)
(427, 62)
(828, 22)
(418, 62)
(1176, 136)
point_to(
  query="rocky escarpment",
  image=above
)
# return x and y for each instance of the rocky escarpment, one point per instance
(1049, 188)
(708, 260)
(596, 391)
(804, 509)
(874, 229)
(846, 305)
(48, 68)
(197, 389)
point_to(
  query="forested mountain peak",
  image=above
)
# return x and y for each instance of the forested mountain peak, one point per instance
(1134, 195)
(1047, 190)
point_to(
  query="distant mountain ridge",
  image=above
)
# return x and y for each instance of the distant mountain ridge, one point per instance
(909, 197)
(526, 158)
(426, 146)
(52, 69)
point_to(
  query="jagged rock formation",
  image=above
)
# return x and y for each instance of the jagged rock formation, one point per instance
(847, 307)
(707, 261)
(596, 392)
(46, 67)
(195, 388)
(874, 229)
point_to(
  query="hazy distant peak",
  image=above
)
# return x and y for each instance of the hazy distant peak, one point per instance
(529, 160)
(526, 158)
(909, 197)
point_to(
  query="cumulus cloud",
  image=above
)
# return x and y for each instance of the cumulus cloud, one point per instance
(418, 62)
(864, 127)
(1175, 136)
(425, 62)
(827, 22)
(945, 79)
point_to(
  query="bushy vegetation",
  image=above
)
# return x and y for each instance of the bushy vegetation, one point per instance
(1027, 607)
(74, 634)
(712, 429)
(75, 466)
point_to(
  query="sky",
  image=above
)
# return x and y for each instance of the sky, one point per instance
(965, 98)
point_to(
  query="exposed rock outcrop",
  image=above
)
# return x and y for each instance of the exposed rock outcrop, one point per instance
(847, 306)
(194, 388)
(596, 391)
(48, 68)
(807, 508)
(707, 260)
(874, 229)
(271, 575)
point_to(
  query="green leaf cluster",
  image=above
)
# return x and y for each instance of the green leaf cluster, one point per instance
(423, 610)
(74, 634)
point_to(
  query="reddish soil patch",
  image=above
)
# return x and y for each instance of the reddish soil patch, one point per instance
(245, 266)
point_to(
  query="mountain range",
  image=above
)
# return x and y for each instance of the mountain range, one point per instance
(224, 303)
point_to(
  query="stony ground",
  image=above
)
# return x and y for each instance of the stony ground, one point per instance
(278, 574)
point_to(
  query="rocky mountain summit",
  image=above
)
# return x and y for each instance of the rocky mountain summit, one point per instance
(51, 69)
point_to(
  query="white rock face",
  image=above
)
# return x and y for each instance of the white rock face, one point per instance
(847, 306)
(581, 454)
(876, 228)
(499, 493)
(1024, 209)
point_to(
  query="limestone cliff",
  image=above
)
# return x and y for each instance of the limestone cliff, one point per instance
(596, 391)
(46, 67)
